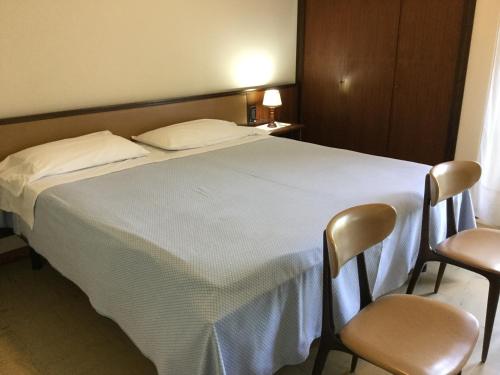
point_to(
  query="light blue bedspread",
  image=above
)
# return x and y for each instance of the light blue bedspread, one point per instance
(212, 263)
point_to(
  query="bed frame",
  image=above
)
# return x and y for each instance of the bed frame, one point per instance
(21, 133)
(126, 120)
(17, 133)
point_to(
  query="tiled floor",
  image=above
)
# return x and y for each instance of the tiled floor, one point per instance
(47, 326)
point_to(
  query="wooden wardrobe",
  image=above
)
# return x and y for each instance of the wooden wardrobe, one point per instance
(384, 77)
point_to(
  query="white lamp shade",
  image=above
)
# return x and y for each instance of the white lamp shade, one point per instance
(272, 98)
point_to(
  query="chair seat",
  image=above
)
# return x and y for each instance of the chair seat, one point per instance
(479, 248)
(406, 334)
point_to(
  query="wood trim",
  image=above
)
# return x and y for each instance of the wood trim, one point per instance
(299, 67)
(461, 73)
(118, 107)
(391, 110)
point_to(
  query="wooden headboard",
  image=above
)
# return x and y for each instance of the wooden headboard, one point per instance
(125, 122)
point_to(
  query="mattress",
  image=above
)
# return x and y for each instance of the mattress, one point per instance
(212, 262)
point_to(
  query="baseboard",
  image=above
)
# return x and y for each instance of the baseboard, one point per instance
(481, 224)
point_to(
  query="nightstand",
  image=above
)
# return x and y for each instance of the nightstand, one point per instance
(284, 130)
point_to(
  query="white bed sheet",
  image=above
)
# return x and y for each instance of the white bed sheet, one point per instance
(24, 205)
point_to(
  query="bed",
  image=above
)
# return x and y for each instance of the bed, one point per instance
(211, 260)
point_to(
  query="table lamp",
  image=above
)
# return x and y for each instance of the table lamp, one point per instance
(272, 99)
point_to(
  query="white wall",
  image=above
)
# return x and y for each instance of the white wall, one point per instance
(66, 54)
(486, 26)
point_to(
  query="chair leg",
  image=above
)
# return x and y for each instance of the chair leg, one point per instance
(491, 310)
(321, 357)
(442, 267)
(415, 274)
(354, 363)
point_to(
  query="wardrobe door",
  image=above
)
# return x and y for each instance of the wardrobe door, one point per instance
(431, 35)
(349, 59)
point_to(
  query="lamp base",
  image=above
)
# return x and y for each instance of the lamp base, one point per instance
(271, 124)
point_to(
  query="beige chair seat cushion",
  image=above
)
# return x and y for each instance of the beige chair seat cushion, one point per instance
(479, 248)
(406, 334)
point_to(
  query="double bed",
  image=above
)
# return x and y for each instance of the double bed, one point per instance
(211, 260)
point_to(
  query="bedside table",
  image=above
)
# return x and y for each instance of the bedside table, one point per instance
(284, 130)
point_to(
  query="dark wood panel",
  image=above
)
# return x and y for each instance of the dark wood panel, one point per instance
(430, 45)
(299, 68)
(348, 72)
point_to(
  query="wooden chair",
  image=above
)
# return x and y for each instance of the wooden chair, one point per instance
(477, 250)
(399, 333)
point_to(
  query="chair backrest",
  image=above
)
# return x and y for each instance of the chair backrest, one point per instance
(355, 230)
(451, 178)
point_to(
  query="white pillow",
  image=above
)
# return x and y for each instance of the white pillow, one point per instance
(196, 133)
(64, 156)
